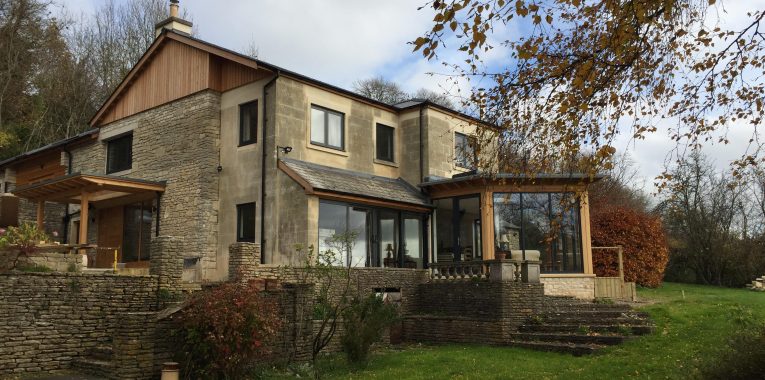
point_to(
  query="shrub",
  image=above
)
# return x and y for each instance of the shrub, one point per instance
(223, 332)
(365, 319)
(24, 238)
(38, 268)
(743, 358)
(643, 239)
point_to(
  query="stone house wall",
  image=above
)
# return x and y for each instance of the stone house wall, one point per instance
(49, 319)
(177, 143)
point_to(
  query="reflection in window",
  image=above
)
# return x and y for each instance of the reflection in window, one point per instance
(544, 222)
(458, 229)
(336, 220)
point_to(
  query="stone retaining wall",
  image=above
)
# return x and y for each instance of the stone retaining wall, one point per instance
(49, 319)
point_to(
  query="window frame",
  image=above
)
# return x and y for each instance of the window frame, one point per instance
(392, 142)
(251, 105)
(327, 112)
(240, 208)
(471, 142)
(109, 168)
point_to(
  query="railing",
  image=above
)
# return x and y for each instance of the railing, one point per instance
(459, 270)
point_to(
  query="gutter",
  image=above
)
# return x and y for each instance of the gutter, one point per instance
(263, 172)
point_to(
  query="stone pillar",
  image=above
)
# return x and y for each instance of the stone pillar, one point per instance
(243, 260)
(167, 262)
(133, 345)
(502, 271)
(530, 271)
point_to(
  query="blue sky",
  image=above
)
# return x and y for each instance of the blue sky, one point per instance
(342, 41)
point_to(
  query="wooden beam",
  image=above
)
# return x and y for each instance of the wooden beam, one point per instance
(487, 225)
(41, 215)
(83, 238)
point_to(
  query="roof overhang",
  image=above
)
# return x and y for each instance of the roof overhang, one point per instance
(471, 183)
(99, 190)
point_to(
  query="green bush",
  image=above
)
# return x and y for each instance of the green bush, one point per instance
(24, 238)
(365, 319)
(35, 268)
(743, 358)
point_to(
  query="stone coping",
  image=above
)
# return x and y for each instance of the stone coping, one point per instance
(275, 266)
(567, 275)
(73, 274)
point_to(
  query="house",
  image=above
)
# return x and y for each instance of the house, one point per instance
(215, 147)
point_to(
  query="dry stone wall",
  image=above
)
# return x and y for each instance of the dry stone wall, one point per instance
(49, 319)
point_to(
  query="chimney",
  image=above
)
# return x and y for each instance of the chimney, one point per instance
(174, 22)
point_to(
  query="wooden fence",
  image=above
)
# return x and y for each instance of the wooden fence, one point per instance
(615, 287)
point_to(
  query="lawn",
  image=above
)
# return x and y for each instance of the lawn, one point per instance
(690, 329)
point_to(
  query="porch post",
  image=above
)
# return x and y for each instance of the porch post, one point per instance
(487, 224)
(40, 215)
(84, 218)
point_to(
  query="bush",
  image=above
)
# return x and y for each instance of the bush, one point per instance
(365, 319)
(642, 236)
(24, 238)
(743, 358)
(223, 332)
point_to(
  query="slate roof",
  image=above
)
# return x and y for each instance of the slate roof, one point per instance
(321, 177)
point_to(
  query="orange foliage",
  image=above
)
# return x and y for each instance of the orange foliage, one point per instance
(642, 236)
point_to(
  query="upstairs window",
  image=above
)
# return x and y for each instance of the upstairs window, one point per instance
(464, 151)
(248, 123)
(245, 222)
(119, 154)
(385, 142)
(327, 128)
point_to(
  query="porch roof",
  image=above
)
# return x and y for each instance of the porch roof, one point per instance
(99, 188)
(341, 184)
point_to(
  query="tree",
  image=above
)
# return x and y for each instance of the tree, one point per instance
(380, 89)
(587, 70)
(440, 99)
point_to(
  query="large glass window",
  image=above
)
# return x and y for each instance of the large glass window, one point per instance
(119, 154)
(327, 128)
(385, 135)
(458, 229)
(136, 240)
(547, 223)
(384, 237)
(248, 123)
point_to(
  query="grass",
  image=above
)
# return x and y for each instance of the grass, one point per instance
(691, 329)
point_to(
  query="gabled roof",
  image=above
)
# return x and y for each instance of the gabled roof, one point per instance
(316, 178)
(258, 64)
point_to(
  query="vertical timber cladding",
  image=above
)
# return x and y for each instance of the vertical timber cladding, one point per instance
(177, 143)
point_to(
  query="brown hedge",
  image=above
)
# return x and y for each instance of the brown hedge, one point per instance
(642, 236)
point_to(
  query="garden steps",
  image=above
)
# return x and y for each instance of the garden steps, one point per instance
(97, 361)
(644, 328)
(566, 348)
(580, 327)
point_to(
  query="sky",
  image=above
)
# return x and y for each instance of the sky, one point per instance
(339, 42)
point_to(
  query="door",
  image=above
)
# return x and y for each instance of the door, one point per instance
(412, 241)
(110, 227)
(387, 241)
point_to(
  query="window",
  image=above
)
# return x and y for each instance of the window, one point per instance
(385, 142)
(544, 222)
(335, 220)
(245, 222)
(464, 150)
(119, 154)
(248, 123)
(327, 128)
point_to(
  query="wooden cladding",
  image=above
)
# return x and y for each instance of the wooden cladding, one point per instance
(175, 70)
(45, 167)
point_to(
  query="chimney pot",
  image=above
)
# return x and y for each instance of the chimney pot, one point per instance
(173, 8)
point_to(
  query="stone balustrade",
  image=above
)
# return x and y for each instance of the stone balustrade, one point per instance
(459, 270)
(492, 270)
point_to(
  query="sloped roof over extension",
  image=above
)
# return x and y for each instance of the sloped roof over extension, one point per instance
(341, 184)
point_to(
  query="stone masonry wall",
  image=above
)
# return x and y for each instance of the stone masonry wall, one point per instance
(579, 287)
(53, 220)
(49, 319)
(471, 311)
(177, 143)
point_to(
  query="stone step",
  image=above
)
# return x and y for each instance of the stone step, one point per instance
(597, 313)
(601, 340)
(566, 348)
(591, 320)
(104, 353)
(600, 328)
(91, 366)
